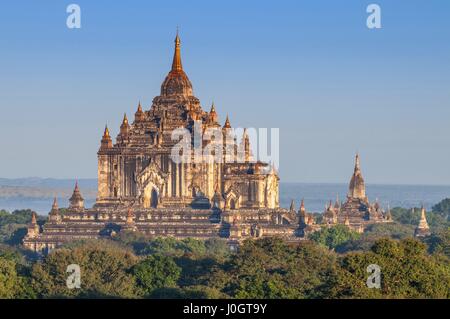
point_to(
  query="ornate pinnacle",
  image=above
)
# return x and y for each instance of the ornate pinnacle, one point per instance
(302, 205)
(106, 133)
(292, 208)
(33, 218)
(55, 204)
(357, 164)
(176, 64)
(227, 123)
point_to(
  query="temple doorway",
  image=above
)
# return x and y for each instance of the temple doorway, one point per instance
(151, 197)
(232, 204)
(154, 199)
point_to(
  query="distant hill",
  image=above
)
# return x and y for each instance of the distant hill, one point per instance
(88, 183)
(34, 187)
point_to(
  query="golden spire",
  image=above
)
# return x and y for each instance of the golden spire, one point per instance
(33, 218)
(423, 219)
(139, 115)
(357, 165)
(227, 123)
(213, 114)
(55, 204)
(106, 133)
(125, 119)
(422, 229)
(176, 64)
(388, 213)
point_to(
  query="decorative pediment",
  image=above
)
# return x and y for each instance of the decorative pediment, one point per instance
(232, 198)
(152, 174)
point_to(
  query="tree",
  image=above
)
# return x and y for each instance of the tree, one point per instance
(105, 271)
(376, 232)
(334, 236)
(442, 208)
(407, 271)
(271, 268)
(8, 278)
(156, 272)
(439, 243)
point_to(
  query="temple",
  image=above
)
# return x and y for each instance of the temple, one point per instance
(422, 229)
(356, 212)
(143, 188)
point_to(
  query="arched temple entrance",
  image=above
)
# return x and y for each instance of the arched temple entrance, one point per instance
(151, 197)
(232, 204)
(154, 199)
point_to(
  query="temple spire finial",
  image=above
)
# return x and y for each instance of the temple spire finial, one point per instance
(357, 164)
(55, 204)
(106, 132)
(176, 64)
(33, 218)
(227, 123)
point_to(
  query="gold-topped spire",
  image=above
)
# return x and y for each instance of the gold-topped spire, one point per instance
(212, 114)
(357, 188)
(33, 218)
(176, 64)
(422, 229)
(55, 204)
(106, 132)
(125, 119)
(139, 115)
(357, 164)
(227, 123)
(106, 139)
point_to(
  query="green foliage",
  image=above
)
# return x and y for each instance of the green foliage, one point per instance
(156, 272)
(334, 236)
(271, 268)
(168, 246)
(375, 232)
(442, 208)
(439, 243)
(407, 271)
(14, 282)
(105, 271)
(8, 278)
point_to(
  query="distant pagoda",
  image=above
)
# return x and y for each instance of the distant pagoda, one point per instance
(422, 230)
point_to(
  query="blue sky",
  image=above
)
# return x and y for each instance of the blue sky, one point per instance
(311, 68)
